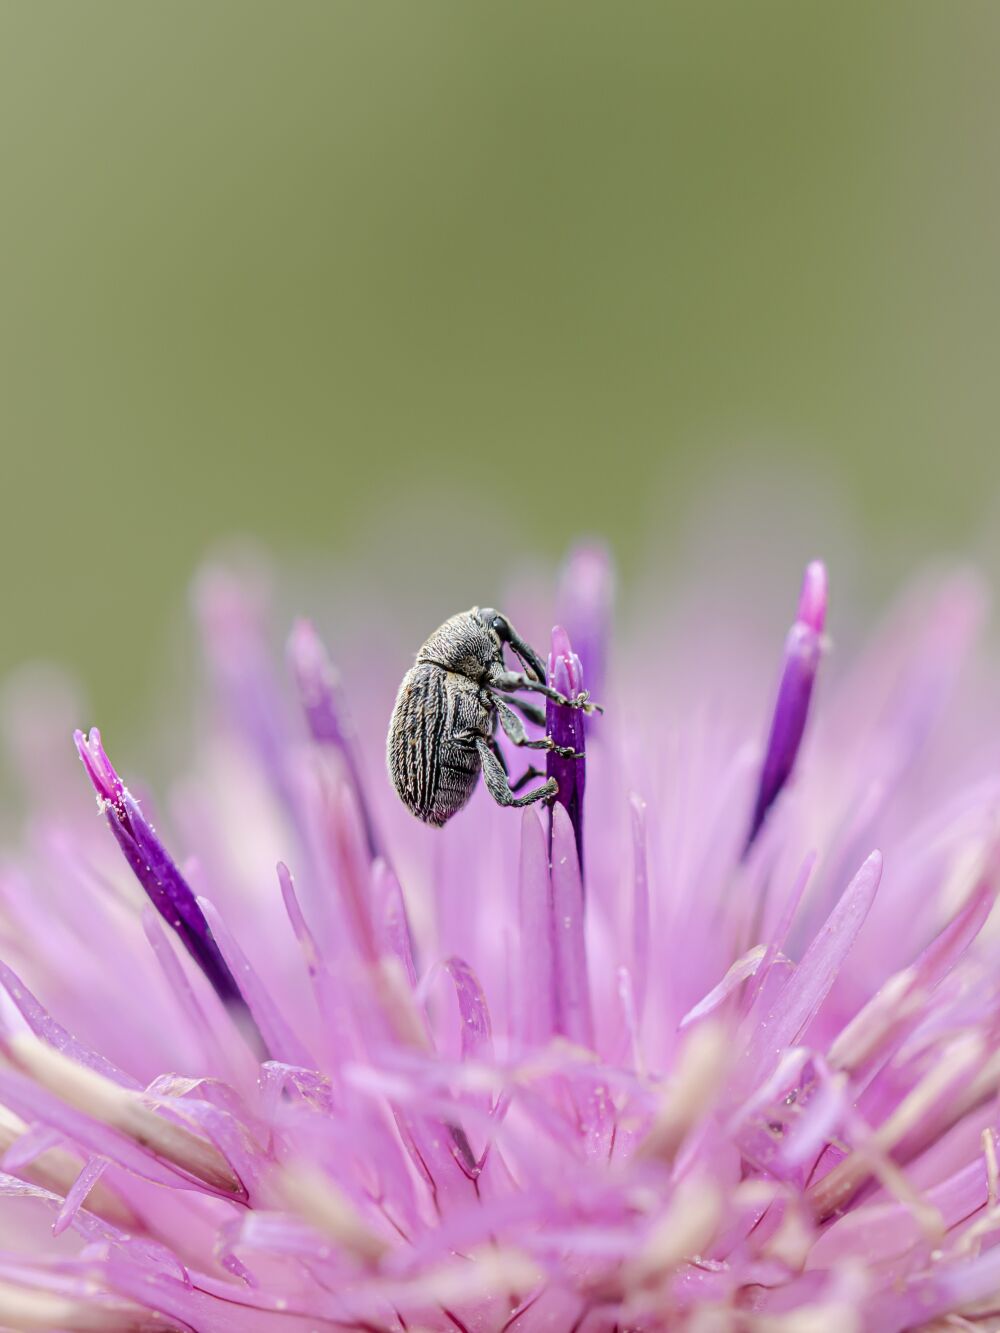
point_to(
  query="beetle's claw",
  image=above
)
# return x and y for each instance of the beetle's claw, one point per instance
(582, 700)
(565, 751)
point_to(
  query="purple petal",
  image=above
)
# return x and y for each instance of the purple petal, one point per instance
(565, 726)
(168, 891)
(803, 649)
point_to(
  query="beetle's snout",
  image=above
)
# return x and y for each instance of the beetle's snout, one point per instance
(533, 667)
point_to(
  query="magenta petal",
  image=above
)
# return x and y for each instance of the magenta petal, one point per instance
(537, 978)
(392, 926)
(326, 711)
(640, 903)
(45, 1026)
(739, 972)
(279, 1038)
(338, 1028)
(584, 604)
(808, 986)
(573, 1016)
(93, 1137)
(74, 1200)
(213, 1033)
(477, 1032)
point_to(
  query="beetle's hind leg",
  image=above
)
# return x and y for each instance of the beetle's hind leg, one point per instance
(498, 786)
(514, 728)
(525, 777)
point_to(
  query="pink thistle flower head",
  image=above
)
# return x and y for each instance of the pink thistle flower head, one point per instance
(710, 1042)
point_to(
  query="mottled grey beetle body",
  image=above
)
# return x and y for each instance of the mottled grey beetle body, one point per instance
(443, 727)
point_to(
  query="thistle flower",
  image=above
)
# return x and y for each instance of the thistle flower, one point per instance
(287, 1060)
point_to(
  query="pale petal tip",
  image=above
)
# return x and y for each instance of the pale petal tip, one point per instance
(99, 768)
(565, 670)
(813, 599)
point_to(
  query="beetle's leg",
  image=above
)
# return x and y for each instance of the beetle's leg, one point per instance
(494, 746)
(508, 681)
(498, 786)
(514, 728)
(526, 777)
(529, 709)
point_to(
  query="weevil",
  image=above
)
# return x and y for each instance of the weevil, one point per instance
(443, 727)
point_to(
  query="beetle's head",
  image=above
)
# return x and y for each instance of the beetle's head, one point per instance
(506, 633)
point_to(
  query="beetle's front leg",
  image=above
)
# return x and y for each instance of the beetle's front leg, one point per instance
(529, 709)
(498, 786)
(508, 681)
(514, 728)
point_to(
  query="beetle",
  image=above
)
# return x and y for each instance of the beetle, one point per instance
(443, 726)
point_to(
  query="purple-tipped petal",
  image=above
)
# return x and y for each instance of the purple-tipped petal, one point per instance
(167, 888)
(564, 725)
(803, 649)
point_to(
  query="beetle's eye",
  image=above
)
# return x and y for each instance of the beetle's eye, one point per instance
(500, 625)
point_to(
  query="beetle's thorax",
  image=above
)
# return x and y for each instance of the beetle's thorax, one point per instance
(463, 644)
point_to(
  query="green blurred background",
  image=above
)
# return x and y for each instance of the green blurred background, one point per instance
(307, 271)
